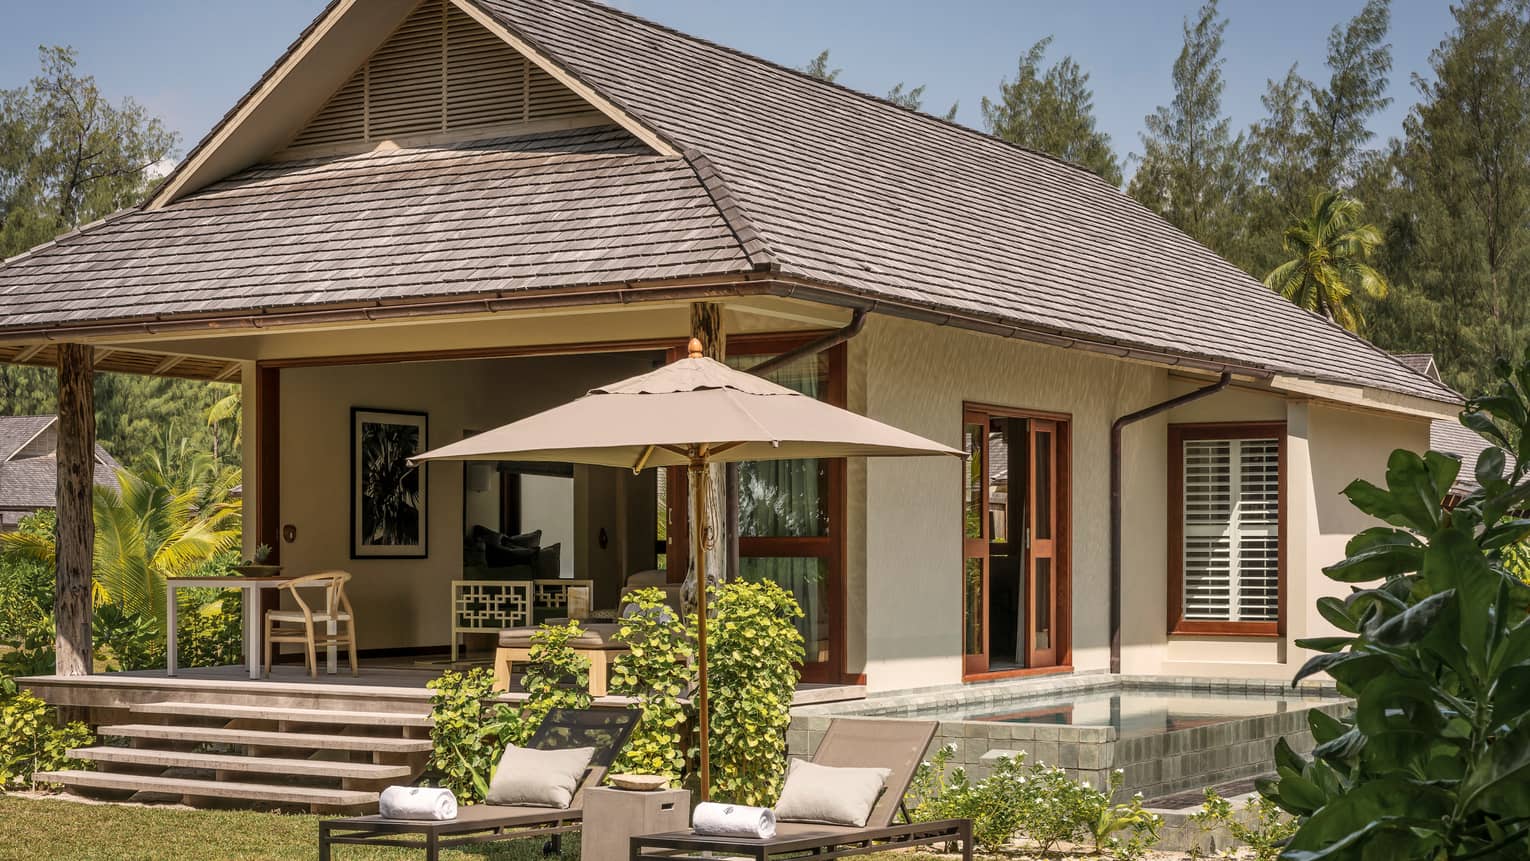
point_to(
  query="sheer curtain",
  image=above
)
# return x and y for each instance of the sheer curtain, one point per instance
(787, 499)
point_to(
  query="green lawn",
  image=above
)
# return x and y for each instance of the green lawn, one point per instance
(34, 829)
(38, 829)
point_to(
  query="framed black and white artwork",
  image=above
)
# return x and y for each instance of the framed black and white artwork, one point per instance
(388, 505)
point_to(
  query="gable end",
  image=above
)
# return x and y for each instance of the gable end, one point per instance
(440, 73)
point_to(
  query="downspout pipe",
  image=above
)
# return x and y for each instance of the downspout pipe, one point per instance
(1115, 499)
(816, 346)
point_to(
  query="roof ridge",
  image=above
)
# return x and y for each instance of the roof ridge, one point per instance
(552, 57)
(882, 100)
(733, 213)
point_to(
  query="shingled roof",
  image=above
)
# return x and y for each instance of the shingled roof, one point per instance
(29, 470)
(805, 178)
(587, 206)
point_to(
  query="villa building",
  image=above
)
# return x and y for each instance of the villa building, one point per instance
(461, 212)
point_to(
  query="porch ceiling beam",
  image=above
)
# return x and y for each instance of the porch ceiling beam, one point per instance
(28, 354)
(169, 363)
(228, 373)
(101, 355)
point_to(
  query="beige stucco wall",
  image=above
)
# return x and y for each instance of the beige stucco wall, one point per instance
(404, 602)
(905, 551)
(917, 377)
(903, 611)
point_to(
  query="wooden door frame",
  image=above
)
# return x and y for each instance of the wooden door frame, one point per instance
(980, 548)
(832, 548)
(1063, 550)
(1029, 551)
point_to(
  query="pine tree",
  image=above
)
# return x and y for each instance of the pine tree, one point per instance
(912, 98)
(1458, 227)
(68, 156)
(1359, 62)
(1312, 139)
(819, 68)
(1052, 109)
(1192, 169)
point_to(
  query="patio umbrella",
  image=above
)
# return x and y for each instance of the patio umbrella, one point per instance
(690, 413)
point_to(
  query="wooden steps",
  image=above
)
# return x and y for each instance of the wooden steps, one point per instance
(321, 759)
(251, 764)
(271, 793)
(286, 715)
(268, 738)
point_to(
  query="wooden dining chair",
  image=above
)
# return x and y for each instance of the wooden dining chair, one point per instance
(299, 626)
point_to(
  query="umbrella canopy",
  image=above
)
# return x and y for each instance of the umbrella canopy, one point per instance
(670, 413)
(690, 413)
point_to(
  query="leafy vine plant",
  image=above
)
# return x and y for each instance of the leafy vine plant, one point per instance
(1434, 761)
(470, 732)
(657, 671)
(754, 661)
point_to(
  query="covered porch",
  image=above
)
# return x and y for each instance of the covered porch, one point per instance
(595, 527)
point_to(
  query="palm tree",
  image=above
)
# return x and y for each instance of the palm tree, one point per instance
(1330, 247)
(146, 531)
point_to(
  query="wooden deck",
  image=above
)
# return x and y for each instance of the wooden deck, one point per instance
(383, 685)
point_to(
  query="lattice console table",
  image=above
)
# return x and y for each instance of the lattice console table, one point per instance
(486, 606)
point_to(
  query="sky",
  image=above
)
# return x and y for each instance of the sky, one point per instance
(188, 61)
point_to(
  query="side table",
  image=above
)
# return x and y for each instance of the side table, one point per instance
(612, 817)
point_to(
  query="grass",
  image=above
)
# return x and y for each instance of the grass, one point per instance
(36, 828)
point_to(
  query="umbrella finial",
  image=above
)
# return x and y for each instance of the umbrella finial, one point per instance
(694, 348)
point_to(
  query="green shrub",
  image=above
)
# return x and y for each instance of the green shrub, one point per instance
(556, 676)
(467, 738)
(1434, 761)
(31, 740)
(1125, 831)
(1261, 827)
(469, 735)
(754, 650)
(657, 670)
(1037, 803)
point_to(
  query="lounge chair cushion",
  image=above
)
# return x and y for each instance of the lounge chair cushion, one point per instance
(539, 778)
(596, 635)
(830, 796)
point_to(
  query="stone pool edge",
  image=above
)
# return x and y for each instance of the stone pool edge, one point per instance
(1155, 765)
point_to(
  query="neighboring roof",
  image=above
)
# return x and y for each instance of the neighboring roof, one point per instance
(1422, 363)
(30, 483)
(587, 206)
(17, 431)
(1452, 437)
(823, 184)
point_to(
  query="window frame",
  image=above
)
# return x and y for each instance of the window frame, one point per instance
(830, 547)
(1179, 434)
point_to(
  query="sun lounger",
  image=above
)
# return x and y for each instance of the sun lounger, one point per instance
(897, 745)
(606, 730)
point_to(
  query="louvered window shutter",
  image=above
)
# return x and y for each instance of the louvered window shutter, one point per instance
(439, 72)
(1231, 530)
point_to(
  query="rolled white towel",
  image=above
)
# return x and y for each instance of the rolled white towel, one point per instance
(733, 820)
(417, 802)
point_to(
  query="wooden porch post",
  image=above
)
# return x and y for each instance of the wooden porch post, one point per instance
(75, 542)
(707, 327)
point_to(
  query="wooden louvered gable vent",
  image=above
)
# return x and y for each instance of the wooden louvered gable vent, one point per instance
(1232, 530)
(439, 72)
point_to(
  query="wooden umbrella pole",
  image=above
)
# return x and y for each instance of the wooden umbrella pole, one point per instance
(699, 502)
